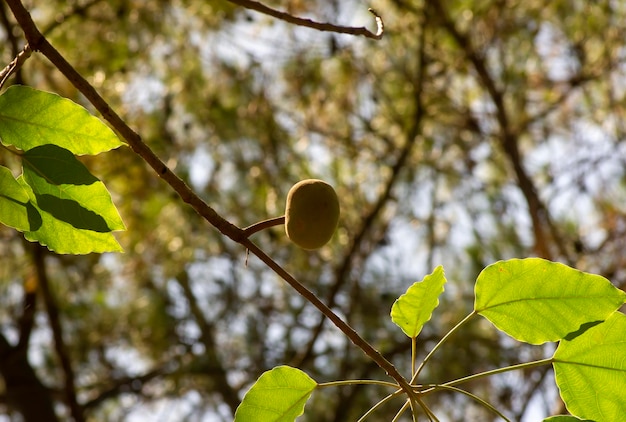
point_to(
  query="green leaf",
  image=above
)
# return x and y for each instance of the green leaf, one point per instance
(15, 209)
(31, 118)
(66, 190)
(414, 308)
(590, 371)
(565, 418)
(279, 395)
(63, 238)
(535, 300)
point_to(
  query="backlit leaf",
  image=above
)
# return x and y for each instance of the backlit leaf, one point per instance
(63, 238)
(565, 418)
(279, 395)
(590, 371)
(535, 301)
(15, 209)
(31, 118)
(67, 191)
(414, 308)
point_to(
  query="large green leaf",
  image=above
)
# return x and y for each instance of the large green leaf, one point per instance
(66, 190)
(279, 395)
(414, 308)
(15, 209)
(30, 118)
(536, 301)
(62, 237)
(590, 371)
(565, 418)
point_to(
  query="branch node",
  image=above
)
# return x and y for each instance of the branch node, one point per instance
(380, 25)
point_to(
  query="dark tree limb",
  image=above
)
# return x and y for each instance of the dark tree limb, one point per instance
(545, 234)
(57, 333)
(13, 41)
(207, 337)
(27, 319)
(124, 385)
(320, 26)
(24, 392)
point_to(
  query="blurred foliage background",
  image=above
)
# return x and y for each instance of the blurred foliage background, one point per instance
(475, 130)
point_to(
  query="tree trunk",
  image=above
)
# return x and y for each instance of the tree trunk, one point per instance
(24, 392)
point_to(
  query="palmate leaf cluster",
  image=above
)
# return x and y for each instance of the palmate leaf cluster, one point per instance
(56, 201)
(531, 300)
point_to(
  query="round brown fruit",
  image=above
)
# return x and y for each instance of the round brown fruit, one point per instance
(311, 213)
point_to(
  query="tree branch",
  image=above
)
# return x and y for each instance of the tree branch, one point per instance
(27, 319)
(15, 64)
(207, 337)
(24, 391)
(123, 385)
(57, 333)
(320, 26)
(39, 43)
(12, 40)
(508, 139)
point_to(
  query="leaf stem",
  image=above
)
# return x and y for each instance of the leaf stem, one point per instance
(265, 224)
(438, 345)
(474, 397)
(413, 353)
(358, 382)
(473, 377)
(379, 404)
(403, 409)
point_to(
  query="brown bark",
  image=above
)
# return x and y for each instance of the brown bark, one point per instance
(24, 391)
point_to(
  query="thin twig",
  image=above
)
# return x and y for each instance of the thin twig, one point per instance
(320, 26)
(15, 64)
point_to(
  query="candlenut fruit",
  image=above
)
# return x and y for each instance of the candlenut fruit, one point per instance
(311, 213)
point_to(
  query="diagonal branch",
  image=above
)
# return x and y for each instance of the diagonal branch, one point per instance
(15, 65)
(39, 43)
(320, 26)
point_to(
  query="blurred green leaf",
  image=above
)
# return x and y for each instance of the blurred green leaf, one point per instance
(67, 191)
(30, 118)
(565, 418)
(278, 395)
(590, 371)
(15, 209)
(61, 237)
(536, 301)
(414, 308)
